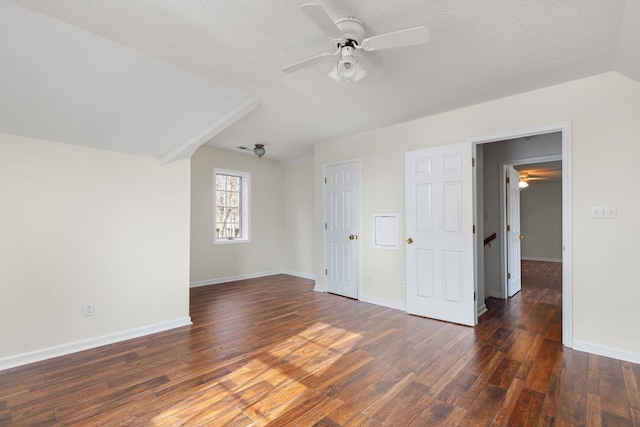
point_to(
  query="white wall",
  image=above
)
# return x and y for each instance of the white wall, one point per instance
(494, 154)
(604, 112)
(80, 224)
(298, 217)
(264, 253)
(541, 221)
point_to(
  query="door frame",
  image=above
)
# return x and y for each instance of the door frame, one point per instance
(503, 212)
(324, 221)
(567, 222)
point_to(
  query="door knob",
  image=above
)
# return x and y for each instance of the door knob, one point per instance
(351, 237)
(522, 237)
(409, 240)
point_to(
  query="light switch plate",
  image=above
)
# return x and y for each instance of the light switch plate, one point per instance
(604, 212)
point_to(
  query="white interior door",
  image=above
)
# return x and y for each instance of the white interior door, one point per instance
(439, 223)
(341, 203)
(514, 281)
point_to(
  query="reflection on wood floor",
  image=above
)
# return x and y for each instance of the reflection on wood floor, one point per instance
(272, 351)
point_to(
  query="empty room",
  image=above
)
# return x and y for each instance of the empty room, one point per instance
(333, 213)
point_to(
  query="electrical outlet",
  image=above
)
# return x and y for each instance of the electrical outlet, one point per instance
(369, 279)
(402, 285)
(89, 309)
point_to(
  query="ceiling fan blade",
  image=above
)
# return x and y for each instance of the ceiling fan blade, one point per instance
(320, 17)
(409, 37)
(308, 62)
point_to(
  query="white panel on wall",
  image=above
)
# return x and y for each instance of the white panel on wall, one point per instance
(385, 231)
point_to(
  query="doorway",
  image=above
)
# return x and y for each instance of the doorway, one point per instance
(524, 177)
(494, 269)
(341, 210)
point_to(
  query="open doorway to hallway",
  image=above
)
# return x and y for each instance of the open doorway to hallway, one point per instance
(494, 154)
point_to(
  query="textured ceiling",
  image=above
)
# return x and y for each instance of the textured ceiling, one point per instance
(479, 50)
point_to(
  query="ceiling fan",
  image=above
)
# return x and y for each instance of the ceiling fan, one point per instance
(348, 35)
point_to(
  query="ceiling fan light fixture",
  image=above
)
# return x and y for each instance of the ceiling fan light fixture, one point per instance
(259, 150)
(523, 183)
(348, 68)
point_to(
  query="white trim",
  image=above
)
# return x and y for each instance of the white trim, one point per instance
(567, 220)
(89, 343)
(384, 303)
(219, 280)
(532, 258)
(482, 310)
(300, 275)
(603, 350)
(497, 295)
(189, 147)
(245, 206)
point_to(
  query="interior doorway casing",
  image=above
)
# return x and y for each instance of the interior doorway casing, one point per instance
(567, 224)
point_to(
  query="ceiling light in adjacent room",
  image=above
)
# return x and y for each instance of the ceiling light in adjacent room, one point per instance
(259, 150)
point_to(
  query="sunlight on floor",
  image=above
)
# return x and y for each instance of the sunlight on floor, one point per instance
(287, 369)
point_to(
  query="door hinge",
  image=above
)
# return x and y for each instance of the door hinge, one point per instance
(325, 225)
(508, 228)
(473, 162)
(507, 180)
(474, 229)
(326, 273)
(508, 276)
(325, 179)
(475, 296)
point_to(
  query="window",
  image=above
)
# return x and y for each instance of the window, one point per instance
(231, 214)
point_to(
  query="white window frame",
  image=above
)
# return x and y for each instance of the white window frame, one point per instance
(245, 207)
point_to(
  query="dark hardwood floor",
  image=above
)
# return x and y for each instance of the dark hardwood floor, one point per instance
(272, 351)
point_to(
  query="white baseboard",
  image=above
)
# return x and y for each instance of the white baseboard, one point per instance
(482, 310)
(249, 276)
(496, 295)
(89, 343)
(319, 288)
(603, 350)
(300, 275)
(384, 303)
(232, 278)
(531, 258)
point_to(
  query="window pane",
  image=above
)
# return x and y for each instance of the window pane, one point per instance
(221, 182)
(228, 210)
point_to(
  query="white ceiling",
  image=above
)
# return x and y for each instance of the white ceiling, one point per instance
(160, 77)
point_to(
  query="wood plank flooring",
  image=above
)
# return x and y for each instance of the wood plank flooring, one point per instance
(273, 352)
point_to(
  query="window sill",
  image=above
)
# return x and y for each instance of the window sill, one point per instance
(229, 241)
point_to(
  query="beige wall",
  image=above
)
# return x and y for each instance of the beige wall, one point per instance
(604, 111)
(541, 221)
(80, 224)
(298, 217)
(264, 253)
